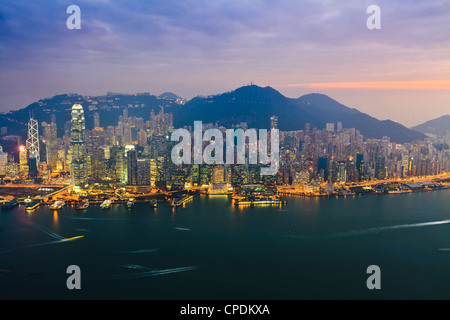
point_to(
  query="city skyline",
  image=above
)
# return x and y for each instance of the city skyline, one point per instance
(201, 48)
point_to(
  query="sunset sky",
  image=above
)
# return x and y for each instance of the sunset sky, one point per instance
(200, 47)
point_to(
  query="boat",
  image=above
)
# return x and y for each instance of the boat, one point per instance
(106, 204)
(83, 205)
(130, 203)
(154, 203)
(9, 205)
(58, 204)
(33, 204)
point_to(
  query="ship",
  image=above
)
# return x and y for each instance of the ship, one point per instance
(106, 204)
(154, 203)
(9, 205)
(58, 204)
(83, 205)
(33, 204)
(130, 203)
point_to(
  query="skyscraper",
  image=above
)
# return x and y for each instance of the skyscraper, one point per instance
(274, 122)
(132, 167)
(33, 140)
(78, 147)
(51, 140)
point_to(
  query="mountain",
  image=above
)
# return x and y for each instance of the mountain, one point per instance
(169, 96)
(255, 105)
(251, 104)
(435, 126)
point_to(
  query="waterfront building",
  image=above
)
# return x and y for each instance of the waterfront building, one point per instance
(78, 147)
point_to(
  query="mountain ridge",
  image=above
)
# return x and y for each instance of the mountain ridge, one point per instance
(252, 104)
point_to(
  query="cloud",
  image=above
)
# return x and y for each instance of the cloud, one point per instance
(204, 45)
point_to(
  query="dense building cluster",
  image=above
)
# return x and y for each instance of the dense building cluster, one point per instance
(137, 153)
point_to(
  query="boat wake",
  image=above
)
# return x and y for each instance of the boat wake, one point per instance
(48, 232)
(59, 239)
(183, 229)
(140, 251)
(151, 273)
(42, 244)
(354, 233)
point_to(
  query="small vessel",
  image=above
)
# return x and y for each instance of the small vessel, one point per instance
(130, 203)
(154, 203)
(9, 205)
(83, 205)
(33, 204)
(106, 204)
(58, 204)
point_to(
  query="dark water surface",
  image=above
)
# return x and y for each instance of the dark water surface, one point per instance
(209, 249)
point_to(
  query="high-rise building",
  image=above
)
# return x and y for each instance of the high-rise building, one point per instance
(23, 161)
(96, 120)
(274, 122)
(132, 168)
(360, 167)
(51, 143)
(322, 167)
(33, 140)
(78, 147)
(380, 167)
(330, 127)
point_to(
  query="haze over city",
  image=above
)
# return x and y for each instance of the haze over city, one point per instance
(400, 72)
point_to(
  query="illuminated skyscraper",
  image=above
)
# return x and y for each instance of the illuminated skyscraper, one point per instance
(51, 142)
(23, 161)
(132, 167)
(274, 122)
(77, 144)
(33, 140)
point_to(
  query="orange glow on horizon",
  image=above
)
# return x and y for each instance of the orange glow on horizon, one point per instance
(422, 85)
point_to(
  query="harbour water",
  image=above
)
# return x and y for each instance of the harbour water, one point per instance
(207, 248)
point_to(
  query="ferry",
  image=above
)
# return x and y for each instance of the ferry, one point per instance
(154, 203)
(130, 203)
(106, 204)
(83, 205)
(33, 204)
(9, 205)
(58, 204)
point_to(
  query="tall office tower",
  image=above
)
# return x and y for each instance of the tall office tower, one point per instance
(78, 147)
(33, 140)
(219, 174)
(126, 138)
(339, 127)
(142, 138)
(132, 168)
(153, 172)
(23, 161)
(307, 128)
(380, 168)
(322, 166)
(330, 127)
(274, 122)
(51, 143)
(143, 172)
(342, 172)
(360, 167)
(96, 120)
